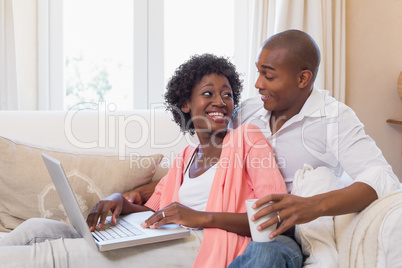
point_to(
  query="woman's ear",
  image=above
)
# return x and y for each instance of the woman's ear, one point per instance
(185, 108)
(305, 77)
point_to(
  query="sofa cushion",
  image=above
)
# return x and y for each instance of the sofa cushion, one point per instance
(317, 238)
(27, 191)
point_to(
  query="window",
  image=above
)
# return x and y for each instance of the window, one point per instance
(98, 52)
(123, 52)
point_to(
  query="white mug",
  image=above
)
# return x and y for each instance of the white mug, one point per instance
(256, 235)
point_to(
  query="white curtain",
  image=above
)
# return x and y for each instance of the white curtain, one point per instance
(8, 68)
(324, 20)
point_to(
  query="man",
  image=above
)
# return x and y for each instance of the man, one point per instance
(305, 125)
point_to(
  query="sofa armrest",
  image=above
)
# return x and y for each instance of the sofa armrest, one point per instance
(372, 238)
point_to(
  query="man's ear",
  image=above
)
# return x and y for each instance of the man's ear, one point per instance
(304, 77)
(185, 108)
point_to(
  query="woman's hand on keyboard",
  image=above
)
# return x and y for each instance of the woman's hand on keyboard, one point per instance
(113, 203)
(176, 213)
(185, 216)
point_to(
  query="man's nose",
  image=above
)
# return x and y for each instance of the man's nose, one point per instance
(258, 84)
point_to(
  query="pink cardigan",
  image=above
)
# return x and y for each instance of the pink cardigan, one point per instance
(246, 170)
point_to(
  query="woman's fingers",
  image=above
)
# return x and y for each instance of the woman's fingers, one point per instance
(99, 213)
(172, 213)
(156, 220)
(93, 216)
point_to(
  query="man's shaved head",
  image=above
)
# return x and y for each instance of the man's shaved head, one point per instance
(303, 50)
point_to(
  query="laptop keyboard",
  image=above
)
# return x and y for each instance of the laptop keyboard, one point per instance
(111, 231)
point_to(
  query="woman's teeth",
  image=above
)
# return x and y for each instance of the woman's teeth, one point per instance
(221, 115)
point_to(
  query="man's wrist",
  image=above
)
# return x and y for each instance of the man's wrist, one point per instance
(320, 206)
(147, 190)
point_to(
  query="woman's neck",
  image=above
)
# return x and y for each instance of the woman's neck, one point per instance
(210, 146)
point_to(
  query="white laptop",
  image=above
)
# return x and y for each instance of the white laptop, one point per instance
(126, 233)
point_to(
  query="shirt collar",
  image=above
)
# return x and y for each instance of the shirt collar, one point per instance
(315, 104)
(263, 114)
(313, 107)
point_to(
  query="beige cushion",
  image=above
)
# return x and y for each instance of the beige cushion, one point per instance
(26, 189)
(317, 238)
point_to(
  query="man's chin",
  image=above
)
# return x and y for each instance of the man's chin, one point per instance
(268, 107)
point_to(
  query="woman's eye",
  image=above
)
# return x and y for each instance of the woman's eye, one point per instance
(207, 93)
(228, 94)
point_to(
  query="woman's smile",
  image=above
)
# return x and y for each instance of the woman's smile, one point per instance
(211, 104)
(219, 117)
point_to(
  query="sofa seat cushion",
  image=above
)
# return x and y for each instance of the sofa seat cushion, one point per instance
(27, 190)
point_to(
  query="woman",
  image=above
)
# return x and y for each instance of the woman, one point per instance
(208, 184)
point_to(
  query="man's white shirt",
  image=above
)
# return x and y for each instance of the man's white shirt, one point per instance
(326, 133)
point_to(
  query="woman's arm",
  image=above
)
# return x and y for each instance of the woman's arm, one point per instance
(182, 215)
(231, 222)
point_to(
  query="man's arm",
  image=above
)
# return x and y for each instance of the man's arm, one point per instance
(141, 194)
(298, 210)
(359, 157)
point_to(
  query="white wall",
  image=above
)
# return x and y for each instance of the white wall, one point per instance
(373, 64)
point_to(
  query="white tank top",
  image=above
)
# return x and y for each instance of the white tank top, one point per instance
(194, 192)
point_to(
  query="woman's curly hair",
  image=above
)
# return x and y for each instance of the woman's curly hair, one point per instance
(188, 75)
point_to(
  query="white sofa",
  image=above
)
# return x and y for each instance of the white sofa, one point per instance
(148, 132)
